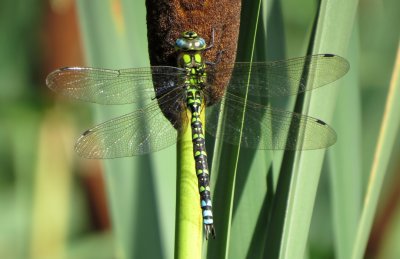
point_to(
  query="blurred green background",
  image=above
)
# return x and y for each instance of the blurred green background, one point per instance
(54, 205)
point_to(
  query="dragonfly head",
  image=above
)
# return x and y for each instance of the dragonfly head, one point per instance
(189, 40)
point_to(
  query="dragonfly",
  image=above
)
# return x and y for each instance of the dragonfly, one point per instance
(171, 99)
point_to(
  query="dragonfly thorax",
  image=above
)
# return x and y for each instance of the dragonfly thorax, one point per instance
(195, 68)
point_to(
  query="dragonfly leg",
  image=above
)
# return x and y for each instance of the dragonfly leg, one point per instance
(212, 39)
(217, 60)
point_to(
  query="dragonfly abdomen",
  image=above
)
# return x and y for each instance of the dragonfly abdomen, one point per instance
(194, 102)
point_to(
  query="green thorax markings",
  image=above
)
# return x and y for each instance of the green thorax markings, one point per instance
(190, 47)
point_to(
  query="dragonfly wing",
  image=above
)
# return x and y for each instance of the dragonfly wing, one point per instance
(140, 132)
(106, 86)
(284, 77)
(266, 128)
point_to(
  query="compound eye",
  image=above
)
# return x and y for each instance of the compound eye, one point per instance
(200, 43)
(181, 43)
(189, 40)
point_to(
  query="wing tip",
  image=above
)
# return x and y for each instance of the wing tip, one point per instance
(345, 62)
(52, 77)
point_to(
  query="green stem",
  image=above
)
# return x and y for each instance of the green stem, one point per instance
(189, 225)
(387, 137)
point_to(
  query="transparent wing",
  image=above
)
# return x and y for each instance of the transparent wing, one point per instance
(281, 78)
(140, 132)
(106, 86)
(266, 128)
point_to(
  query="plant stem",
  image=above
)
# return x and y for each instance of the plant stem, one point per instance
(188, 229)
